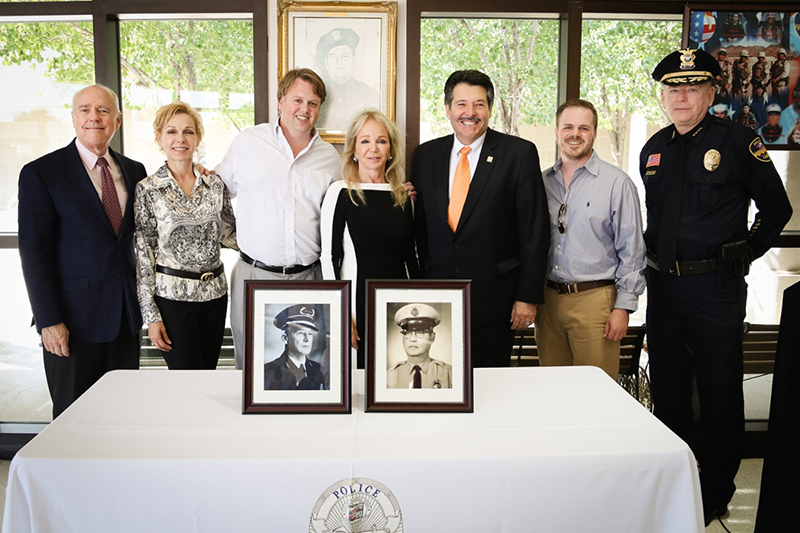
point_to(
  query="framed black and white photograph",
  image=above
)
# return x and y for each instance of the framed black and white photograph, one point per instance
(297, 357)
(351, 46)
(418, 356)
(757, 52)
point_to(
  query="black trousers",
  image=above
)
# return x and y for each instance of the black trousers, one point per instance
(196, 330)
(491, 345)
(69, 377)
(694, 330)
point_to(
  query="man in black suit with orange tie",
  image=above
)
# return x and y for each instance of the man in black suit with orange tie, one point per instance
(76, 246)
(481, 214)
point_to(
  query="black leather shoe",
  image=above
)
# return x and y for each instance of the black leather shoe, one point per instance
(712, 513)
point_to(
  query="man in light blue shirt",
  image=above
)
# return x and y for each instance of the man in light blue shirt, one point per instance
(597, 252)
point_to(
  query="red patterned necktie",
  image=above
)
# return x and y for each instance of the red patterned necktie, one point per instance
(110, 198)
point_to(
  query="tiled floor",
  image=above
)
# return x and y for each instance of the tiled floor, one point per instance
(741, 518)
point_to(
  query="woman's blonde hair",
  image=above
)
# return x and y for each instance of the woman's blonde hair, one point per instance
(177, 107)
(395, 173)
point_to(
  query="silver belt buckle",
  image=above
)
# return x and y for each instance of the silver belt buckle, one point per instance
(206, 276)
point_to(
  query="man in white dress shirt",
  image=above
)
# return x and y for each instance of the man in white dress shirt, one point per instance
(279, 173)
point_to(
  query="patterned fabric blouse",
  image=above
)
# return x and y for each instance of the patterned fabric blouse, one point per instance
(183, 233)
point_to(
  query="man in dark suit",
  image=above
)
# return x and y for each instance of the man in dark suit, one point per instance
(293, 370)
(481, 214)
(76, 246)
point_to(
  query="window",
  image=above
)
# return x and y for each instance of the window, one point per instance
(519, 55)
(206, 63)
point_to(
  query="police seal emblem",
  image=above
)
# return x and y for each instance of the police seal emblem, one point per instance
(357, 505)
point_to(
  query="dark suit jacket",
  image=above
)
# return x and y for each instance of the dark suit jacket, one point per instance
(502, 238)
(77, 271)
(277, 377)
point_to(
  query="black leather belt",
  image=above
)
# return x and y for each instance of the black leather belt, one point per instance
(572, 288)
(202, 276)
(276, 269)
(704, 266)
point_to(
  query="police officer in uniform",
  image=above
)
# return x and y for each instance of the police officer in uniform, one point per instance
(700, 174)
(347, 96)
(419, 371)
(293, 370)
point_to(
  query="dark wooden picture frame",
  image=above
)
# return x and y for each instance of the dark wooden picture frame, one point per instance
(314, 318)
(352, 46)
(441, 311)
(744, 32)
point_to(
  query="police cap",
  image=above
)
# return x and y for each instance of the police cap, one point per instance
(417, 317)
(337, 37)
(686, 67)
(302, 315)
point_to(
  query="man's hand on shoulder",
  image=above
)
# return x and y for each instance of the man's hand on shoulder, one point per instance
(410, 190)
(201, 169)
(616, 325)
(523, 315)
(56, 339)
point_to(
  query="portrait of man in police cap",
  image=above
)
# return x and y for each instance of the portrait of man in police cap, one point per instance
(297, 367)
(337, 57)
(417, 324)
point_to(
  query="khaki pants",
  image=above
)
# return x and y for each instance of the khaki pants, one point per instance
(569, 329)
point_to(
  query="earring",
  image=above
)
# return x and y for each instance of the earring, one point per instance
(355, 159)
(389, 160)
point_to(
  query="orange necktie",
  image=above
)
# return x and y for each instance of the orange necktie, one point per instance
(460, 189)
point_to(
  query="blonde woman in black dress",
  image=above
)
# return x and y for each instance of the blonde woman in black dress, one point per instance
(369, 208)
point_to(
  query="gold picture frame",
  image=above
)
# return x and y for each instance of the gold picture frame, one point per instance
(342, 42)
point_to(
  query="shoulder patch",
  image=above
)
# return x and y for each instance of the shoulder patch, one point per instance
(759, 151)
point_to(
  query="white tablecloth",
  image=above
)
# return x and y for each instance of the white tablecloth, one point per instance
(546, 450)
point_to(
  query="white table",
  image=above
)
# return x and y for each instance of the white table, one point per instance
(546, 450)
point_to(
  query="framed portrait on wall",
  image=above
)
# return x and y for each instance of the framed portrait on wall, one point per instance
(297, 352)
(351, 46)
(757, 52)
(418, 351)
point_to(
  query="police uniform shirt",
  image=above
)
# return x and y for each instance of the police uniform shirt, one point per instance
(726, 165)
(435, 375)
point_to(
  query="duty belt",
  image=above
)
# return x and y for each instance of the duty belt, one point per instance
(681, 268)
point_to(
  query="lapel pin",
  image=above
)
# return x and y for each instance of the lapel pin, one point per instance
(490, 159)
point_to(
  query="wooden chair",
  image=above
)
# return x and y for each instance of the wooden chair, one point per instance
(759, 345)
(631, 377)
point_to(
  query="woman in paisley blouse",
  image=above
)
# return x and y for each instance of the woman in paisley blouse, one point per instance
(181, 217)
